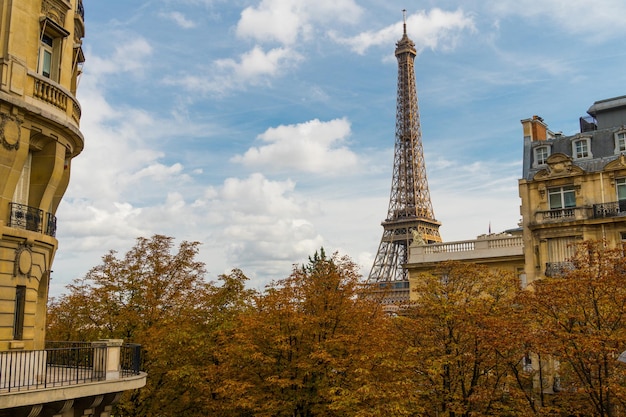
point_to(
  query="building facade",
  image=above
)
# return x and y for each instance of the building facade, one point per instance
(503, 251)
(573, 188)
(40, 64)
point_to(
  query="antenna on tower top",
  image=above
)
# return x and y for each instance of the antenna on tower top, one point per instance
(404, 19)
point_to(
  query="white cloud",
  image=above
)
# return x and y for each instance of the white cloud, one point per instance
(129, 56)
(313, 146)
(253, 67)
(284, 21)
(179, 19)
(602, 19)
(436, 29)
(257, 63)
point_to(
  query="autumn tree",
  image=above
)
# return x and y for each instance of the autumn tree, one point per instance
(312, 346)
(581, 323)
(464, 356)
(157, 297)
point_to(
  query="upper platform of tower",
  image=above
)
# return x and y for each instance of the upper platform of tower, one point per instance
(405, 44)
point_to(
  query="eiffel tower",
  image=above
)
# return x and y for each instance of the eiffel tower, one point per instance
(410, 215)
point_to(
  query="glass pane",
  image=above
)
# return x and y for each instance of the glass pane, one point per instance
(621, 190)
(555, 201)
(47, 61)
(570, 198)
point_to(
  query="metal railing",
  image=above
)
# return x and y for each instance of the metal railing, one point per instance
(611, 209)
(25, 217)
(555, 269)
(80, 9)
(30, 218)
(63, 364)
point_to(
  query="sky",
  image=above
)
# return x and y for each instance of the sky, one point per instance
(264, 129)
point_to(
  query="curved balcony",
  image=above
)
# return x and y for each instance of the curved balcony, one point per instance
(34, 219)
(54, 94)
(66, 371)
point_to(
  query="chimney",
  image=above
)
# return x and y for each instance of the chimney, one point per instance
(535, 128)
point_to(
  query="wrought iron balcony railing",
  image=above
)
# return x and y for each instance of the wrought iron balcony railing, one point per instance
(66, 363)
(556, 269)
(25, 217)
(80, 9)
(612, 209)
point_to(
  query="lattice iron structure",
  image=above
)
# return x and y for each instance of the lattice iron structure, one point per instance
(410, 215)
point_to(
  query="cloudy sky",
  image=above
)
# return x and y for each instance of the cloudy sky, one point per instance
(265, 128)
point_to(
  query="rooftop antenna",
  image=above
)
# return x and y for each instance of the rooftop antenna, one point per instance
(404, 19)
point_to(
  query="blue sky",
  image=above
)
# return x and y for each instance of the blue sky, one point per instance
(265, 128)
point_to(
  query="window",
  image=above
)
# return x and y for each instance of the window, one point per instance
(562, 197)
(20, 195)
(541, 155)
(18, 320)
(580, 148)
(49, 59)
(620, 142)
(45, 56)
(620, 185)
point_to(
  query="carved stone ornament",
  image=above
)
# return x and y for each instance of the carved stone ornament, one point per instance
(619, 163)
(23, 261)
(559, 165)
(10, 131)
(55, 10)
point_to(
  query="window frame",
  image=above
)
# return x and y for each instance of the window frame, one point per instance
(562, 192)
(51, 40)
(20, 312)
(536, 160)
(587, 151)
(620, 142)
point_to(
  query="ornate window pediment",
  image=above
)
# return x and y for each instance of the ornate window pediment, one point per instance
(559, 165)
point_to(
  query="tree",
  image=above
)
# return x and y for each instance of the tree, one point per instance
(581, 318)
(464, 352)
(158, 298)
(312, 346)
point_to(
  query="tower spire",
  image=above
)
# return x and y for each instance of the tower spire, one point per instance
(410, 215)
(404, 20)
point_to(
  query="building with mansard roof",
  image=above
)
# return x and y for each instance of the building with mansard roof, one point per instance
(573, 188)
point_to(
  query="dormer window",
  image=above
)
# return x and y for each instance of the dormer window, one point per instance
(581, 148)
(541, 155)
(620, 142)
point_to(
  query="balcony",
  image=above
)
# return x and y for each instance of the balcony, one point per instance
(68, 363)
(612, 209)
(25, 217)
(563, 215)
(488, 246)
(557, 269)
(55, 95)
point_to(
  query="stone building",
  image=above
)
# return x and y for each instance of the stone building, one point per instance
(40, 64)
(573, 188)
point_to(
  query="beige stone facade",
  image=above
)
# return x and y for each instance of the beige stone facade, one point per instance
(503, 251)
(40, 58)
(573, 187)
(40, 64)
